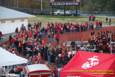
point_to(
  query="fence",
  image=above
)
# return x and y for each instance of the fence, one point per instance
(102, 13)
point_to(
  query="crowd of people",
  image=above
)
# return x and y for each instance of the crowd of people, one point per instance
(31, 43)
(102, 41)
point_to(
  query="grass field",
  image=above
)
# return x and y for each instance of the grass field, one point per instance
(63, 19)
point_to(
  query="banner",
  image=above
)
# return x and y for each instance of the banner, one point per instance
(90, 64)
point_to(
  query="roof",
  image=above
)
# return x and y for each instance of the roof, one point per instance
(8, 59)
(6, 13)
(37, 67)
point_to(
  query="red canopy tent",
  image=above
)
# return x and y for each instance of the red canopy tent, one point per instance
(90, 64)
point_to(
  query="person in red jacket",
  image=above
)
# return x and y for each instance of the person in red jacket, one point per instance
(57, 37)
(1, 35)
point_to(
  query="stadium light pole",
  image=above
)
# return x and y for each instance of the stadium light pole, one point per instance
(41, 6)
(17, 3)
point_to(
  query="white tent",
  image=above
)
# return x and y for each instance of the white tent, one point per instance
(8, 59)
(11, 19)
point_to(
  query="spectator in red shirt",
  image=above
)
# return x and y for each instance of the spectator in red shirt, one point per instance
(1, 35)
(39, 58)
(93, 18)
(90, 18)
(57, 37)
(30, 34)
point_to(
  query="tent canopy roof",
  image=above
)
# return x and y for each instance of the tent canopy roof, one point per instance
(90, 64)
(6, 13)
(8, 59)
(37, 67)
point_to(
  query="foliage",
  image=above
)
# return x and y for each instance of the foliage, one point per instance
(98, 5)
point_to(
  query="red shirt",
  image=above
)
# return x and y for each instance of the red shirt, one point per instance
(57, 36)
(30, 34)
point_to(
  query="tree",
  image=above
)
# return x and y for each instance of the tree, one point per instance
(98, 5)
(110, 5)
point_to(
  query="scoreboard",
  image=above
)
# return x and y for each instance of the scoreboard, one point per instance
(65, 2)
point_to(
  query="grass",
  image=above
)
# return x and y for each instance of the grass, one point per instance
(63, 19)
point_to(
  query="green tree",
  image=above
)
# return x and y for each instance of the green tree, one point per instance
(98, 5)
(110, 5)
